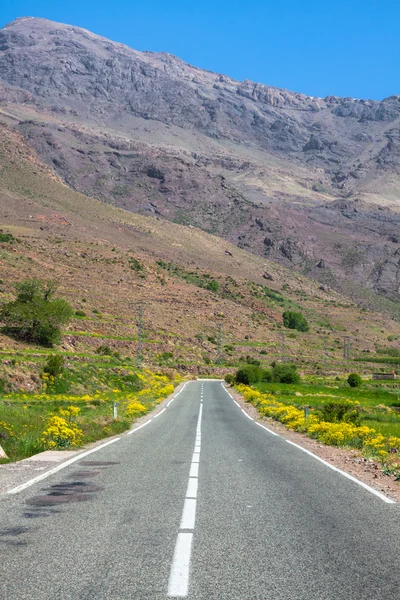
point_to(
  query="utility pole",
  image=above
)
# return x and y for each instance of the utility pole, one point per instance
(347, 347)
(283, 347)
(140, 308)
(219, 357)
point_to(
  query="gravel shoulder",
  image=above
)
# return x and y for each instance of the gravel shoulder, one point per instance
(346, 459)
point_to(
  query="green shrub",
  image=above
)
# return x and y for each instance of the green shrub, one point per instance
(230, 378)
(295, 320)
(336, 412)
(267, 375)
(354, 380)
(213, 286)
(104, 350)
(54, 365)
(249, 374)
(6, 237)
(249, 360)
(136, 265)
(80, 313)
(282, 373)
(164, 357)
(35, 316)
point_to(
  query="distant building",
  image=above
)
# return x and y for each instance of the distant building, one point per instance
(391, 375)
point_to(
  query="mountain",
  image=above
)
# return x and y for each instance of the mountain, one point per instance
(105, 259)
(311, 183)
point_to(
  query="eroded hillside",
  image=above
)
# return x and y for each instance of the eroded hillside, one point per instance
(106, 259)
(311, 183)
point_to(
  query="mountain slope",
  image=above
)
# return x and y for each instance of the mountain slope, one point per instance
(305, 181)
(106, 259)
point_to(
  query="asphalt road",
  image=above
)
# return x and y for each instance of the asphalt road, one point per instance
(200, 503)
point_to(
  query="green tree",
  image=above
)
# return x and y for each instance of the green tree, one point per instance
(295, 320)
(35, 316)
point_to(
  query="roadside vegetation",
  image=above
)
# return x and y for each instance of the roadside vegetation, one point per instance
(360, 417)
(73, 403)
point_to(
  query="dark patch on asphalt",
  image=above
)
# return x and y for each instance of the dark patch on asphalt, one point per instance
(66, 493)
(14, 531)
(37, 513)
(94, 463)
(7, 536)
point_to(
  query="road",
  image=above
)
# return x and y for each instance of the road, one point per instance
(199, 503)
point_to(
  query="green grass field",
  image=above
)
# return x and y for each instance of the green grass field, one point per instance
(372, 401)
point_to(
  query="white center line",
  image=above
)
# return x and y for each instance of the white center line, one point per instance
(178, 586)
(191, 491)
(188, 514)
(194, 470)
(179, 577)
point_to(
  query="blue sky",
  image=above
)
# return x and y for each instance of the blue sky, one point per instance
(318, 47)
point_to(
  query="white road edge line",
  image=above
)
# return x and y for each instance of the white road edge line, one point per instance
(160, 413)
(248, 416)
(269, 430)
(178, 586)
(23, 486)
(140, 427)
(347, 475)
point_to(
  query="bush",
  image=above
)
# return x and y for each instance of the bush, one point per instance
(6, 237)
(354, 380)
(35, 316)
(249, 360)
(249, 374)
(295, 320)
(252, 373)
(285, 374)
(80, 313)
(54, 365)
(230, 378)
(164, 357)
(213, 286)
(266, 376)
(104, 350)
(336, 412)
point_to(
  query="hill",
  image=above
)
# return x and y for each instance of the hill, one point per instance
(105, 260)
(311, 183)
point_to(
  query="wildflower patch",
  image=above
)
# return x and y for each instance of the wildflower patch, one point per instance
(343, 433)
